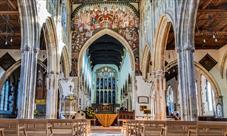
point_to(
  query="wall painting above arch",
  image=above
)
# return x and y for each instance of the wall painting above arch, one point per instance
(89, 19)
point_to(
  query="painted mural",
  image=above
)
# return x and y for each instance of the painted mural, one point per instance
(89, 20)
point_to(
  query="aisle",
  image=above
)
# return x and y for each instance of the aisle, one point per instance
(102, 131)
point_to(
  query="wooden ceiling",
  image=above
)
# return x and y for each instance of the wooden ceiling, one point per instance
(9, 25)
(211, 25)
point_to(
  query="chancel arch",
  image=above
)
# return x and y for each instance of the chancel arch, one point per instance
(106, 65)
(121, 20)
(100, 34)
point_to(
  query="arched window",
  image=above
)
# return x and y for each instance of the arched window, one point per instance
(169, 101)
(105, 85)
(207, 94)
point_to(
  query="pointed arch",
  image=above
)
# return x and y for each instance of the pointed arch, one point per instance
(66, 61)
(145, 63)
(160, 42)
(204, 72)
(100, 34)
(50, 37)
(10, 70)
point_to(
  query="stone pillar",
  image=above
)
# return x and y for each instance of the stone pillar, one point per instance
(185, 45)
(52, 95)
(29, 53)
(159, 88)
(27, 83)
(187, 85)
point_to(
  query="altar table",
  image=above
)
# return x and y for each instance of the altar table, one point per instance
(106, 120)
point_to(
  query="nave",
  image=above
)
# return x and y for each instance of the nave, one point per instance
(113, 67)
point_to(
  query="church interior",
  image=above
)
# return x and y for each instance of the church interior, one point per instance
(113, 67)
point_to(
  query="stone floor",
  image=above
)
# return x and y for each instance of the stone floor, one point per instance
(110, 131)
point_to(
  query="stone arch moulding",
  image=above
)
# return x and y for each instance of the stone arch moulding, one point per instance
(204, 72)
(100, 34)
(145, 61)
(223, 66)
(66, 61)
(49, 30)
(10, 70)
(160, 42)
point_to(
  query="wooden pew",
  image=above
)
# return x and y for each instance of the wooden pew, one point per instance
(179, 128)
(210, 128)
(11, 127)
(2, 132)
(36, 127)
(133, 128)
(69, 127)
(153, 128)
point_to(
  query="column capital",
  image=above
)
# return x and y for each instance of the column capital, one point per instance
(25, 49)
(192, 49)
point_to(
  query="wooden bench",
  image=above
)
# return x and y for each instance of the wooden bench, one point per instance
(11, 127)
(2, 132)
(132, 128)
(69, 127)
(179, 128)
(36, 127)
(153, 128)
(146, 128)
(209, 128)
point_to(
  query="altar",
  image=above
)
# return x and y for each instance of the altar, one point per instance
(106, 120)
(105, 114)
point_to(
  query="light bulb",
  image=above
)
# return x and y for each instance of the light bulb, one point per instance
(216, 40)
(11, 40)
(214, 36)
(6, 43)
(204, 40)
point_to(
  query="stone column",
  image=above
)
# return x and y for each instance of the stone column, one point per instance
(52, 95)
(27, 83)
(159, 88)
(185, 44)
(29, 53)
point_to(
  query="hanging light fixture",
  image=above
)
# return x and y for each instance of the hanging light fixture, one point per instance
(8, 31)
